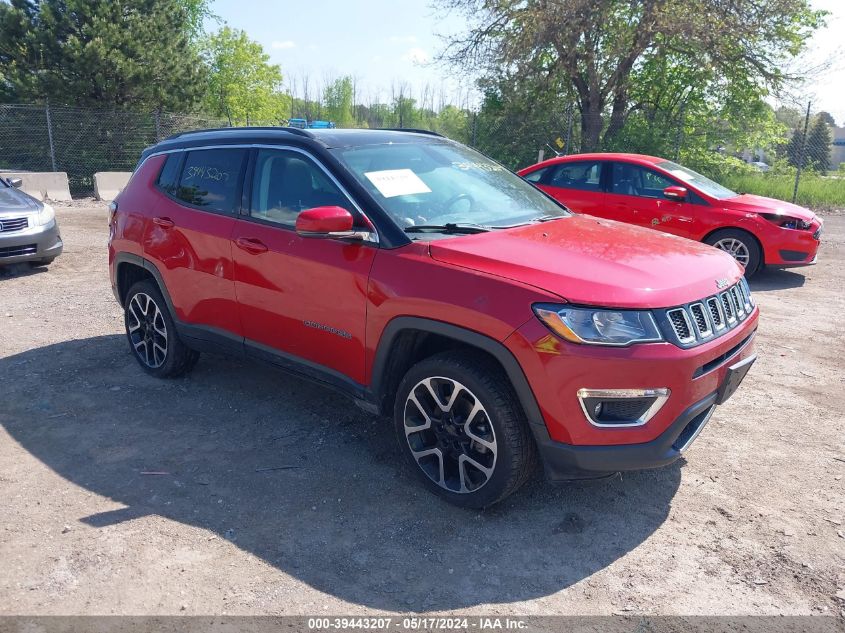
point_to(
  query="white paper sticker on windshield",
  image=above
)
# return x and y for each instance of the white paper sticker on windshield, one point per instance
(397, 182)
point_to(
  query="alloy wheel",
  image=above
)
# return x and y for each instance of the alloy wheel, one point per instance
(736, 249)
(450, 434)
(147, 330)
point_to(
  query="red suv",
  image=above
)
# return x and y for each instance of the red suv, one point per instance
(660, 194)
(431, 285)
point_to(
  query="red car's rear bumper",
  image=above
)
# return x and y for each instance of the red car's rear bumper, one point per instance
(573, 447)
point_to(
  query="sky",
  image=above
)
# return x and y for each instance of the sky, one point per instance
(377, 41)
(383, 42)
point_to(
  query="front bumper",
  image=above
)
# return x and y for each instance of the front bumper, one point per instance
(565, 462)
(791, 248)
(33, 244)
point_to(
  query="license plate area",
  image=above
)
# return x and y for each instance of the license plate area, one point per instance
(733, 378)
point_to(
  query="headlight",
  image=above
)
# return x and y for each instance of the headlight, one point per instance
(787, 222)
(598, 326)
(46, 215)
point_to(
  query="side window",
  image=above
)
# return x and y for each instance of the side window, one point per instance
(536, 176)
(585, 176)
(285, 183)
(169, 173)
(210, 179)
(635, 180)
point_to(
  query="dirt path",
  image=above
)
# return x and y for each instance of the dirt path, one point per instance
(752, 523)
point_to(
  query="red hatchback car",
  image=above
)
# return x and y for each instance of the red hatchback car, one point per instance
(657, 193)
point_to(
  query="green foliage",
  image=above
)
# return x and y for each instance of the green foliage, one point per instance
(455, 123)
(337, 102)
(814, 191)
(242, 84)
(818, 146)
(637, 70)
(105, 53)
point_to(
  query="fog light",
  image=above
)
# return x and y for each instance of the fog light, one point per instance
(621, 407)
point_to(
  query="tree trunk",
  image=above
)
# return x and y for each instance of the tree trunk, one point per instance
(591, 124)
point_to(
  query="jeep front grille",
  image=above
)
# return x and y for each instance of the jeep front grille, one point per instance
(681, 325)
(716, 316)
(704, 320)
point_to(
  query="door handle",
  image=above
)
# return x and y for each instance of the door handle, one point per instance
(165, 223)
(251, 245)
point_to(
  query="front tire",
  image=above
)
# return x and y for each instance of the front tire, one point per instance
(462, 429)
(152, 335)
(740, 245)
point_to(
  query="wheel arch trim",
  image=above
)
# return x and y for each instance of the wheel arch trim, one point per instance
(137, 260)
(512, 368)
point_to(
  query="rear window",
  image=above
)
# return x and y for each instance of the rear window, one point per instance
(169, 173)
(585, 176)
(210, 179)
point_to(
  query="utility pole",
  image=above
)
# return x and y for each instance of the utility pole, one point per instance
(50, 134)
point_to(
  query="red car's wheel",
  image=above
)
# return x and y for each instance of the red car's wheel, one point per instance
(740, 245)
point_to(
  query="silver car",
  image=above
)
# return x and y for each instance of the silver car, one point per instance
(28, 228)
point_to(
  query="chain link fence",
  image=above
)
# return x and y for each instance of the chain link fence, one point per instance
(82, 142)
(802, 167)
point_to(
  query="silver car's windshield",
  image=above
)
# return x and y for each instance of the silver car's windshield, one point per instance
(444, 183)
(702, 183)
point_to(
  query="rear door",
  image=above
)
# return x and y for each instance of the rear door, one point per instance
(300, 299)
(577, 184)
(635, 195)
(188, 237)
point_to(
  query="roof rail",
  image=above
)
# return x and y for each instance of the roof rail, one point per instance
(278, 128)
(408, 129)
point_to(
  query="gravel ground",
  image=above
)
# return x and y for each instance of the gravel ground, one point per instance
(240, 490)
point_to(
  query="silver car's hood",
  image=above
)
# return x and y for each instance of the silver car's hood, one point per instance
(14, 202)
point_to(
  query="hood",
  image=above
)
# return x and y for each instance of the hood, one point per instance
(760, 204)
(15, 201)
(592, 261)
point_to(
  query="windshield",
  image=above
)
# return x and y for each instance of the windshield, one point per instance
(702, 183)
(427, 184)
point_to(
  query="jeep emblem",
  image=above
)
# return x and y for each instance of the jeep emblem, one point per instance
(721, 283)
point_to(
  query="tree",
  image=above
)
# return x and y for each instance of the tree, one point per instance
(338, 102)
(818, 145)
(593, 52)
(827, 117)
(796, 151)
(242, 84)
(105, 53)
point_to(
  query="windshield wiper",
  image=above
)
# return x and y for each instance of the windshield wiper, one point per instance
(449, 228)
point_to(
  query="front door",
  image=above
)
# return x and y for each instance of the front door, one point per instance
(300, 299)
(636, 196)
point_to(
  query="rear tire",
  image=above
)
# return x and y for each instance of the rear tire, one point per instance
(740, 245)
(461, 428)
(152, 335)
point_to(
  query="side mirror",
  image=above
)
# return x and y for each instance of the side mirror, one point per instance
(331, 222)
(675, 193)
(15, 182)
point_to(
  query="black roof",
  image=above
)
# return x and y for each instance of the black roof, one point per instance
(323, 137)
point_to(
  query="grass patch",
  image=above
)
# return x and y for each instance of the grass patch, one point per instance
(814, 191)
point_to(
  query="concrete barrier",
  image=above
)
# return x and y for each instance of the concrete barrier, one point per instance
(43, 184)
(107, 184)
